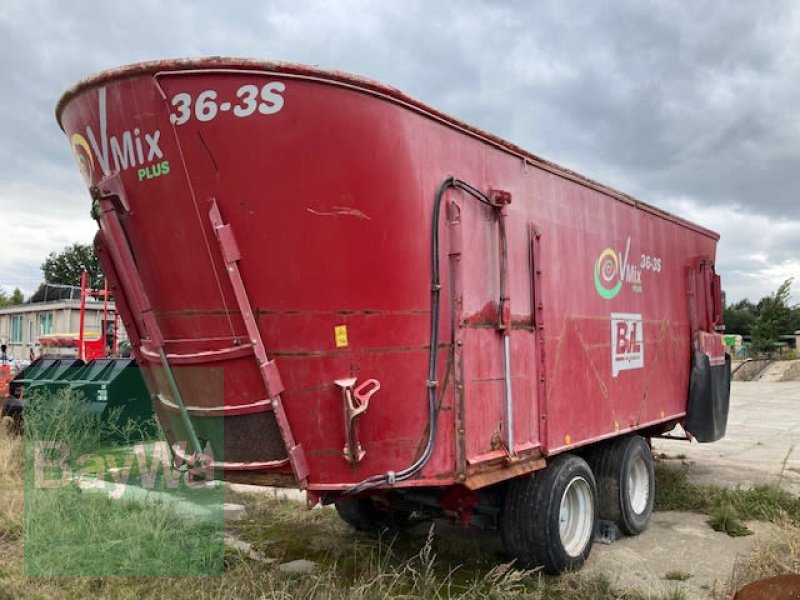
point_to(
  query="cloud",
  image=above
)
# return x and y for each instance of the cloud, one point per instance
(691, 106)
(756, 253)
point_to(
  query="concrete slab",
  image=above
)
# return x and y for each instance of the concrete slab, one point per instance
(247, 549)
(762, 444)
(675, 542)
(777, 371)
(233, 512)
(272, 492)
(300, 566)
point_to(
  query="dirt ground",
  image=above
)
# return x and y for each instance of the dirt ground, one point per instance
(762, 445)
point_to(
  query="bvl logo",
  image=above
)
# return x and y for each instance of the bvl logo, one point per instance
(627, 342)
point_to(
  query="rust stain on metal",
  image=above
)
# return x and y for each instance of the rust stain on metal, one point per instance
(339, 211)
(488, 318)
(260, 478)
(480, 480)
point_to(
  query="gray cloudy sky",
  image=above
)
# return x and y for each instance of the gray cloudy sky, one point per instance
(692, 106)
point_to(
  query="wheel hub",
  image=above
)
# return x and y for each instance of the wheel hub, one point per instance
(638, 485)
(576, 517)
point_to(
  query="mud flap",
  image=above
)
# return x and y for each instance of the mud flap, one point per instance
(709, 398)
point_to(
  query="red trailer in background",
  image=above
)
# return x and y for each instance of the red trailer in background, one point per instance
(87, 345)
(391, 309)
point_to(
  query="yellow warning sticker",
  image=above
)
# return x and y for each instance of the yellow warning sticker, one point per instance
(340, 335)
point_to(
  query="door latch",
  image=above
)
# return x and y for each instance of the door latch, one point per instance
(356, 402)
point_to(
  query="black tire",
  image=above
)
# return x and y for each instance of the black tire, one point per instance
(363, 515)
(625, 483)
(530, 523)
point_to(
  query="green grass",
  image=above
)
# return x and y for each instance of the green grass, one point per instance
(71, 524)
(727, 507)
(72, 532)
(665, 456)
(276, 528)
(725, 519)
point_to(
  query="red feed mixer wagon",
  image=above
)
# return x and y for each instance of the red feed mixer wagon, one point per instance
(332, 286)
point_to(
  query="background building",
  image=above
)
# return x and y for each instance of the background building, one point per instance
(57, 313)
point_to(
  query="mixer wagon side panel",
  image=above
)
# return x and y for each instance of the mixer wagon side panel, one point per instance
(271, 228)
(320, 203)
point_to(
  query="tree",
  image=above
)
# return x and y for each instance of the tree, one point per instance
(794, 320)
(774, 318)
(739, 317)
(16, 298)
(65, 267)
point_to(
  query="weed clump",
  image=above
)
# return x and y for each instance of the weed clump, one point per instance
(727, 507)
(725, 519)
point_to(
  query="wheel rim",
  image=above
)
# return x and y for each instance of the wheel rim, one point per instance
(638, 485)
(576, 517)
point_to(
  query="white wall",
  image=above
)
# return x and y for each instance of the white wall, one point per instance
(66, 319)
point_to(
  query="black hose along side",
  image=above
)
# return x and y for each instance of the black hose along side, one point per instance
(391, 477)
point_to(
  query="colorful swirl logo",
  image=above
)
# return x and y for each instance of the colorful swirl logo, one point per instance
(83, 154)
(606, 269)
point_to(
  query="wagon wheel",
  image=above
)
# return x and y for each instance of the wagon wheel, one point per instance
(364, 514)
(625, 483)
(548, 519)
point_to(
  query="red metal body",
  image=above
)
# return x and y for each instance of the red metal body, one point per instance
(5, 379)
(92, 347)
(273, 222)
(81, 338)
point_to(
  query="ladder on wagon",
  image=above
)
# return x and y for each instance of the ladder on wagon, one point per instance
(145, 333)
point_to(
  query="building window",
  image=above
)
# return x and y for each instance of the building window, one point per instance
(45, 323)
(16, 329)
